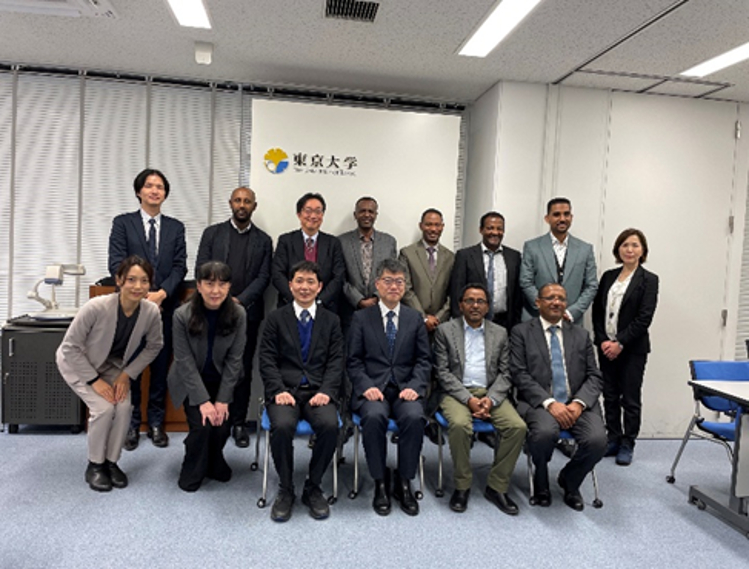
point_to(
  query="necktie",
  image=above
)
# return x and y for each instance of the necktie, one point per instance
(558, 380)
(309, 250)
(304, 316)
(305, 337)
(390, 332)
(152, 241)
(490, 283)
(432, 260)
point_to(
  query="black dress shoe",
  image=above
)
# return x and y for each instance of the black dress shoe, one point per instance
(97, 476)
(542, 498)
(158, 435)
(459, 500)
(381, 500)
(132, 439)
(118, 478)
(502, 500)
(241, 436)
(313, 498)
(489, 439)
(281, 510)
(402, 493)
(433, 434)
(572, 498)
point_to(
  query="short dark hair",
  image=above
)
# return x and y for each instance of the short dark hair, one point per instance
(431, 210)
(554, 201)
(390, 265)
(134, 261)
(140, 181)
(365, 199)
(547, 285)
(305, 267)
(227, 314)
(301, 202)
(489, 214)
(479, 286)
(626, 234)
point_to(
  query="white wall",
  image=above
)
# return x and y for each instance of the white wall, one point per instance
(671, 167)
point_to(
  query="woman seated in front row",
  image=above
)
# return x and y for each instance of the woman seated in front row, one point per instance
(110, 341)
(209, 339)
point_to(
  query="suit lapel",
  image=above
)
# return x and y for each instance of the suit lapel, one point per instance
(297, 246)
(137, 225)
(633, 284)
(458, 338)
(290, 321)
(549, 257)
(478, 260)
(322, 248)
(490, 351)
(375, 322)
(537, 331)
(569, 348)
(573, 251)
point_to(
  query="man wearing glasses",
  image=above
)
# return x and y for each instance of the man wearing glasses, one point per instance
(310, 244)
(389, 366)
(472, 362)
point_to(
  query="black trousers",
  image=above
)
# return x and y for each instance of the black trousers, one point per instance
(622, 395)
(283, 421)
(242, 390)
(204, 447)
(409, 416)
(157, 387)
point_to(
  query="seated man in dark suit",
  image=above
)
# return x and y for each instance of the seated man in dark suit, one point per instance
(389, 365)
(472, 361)
(301, 364)
(558, 386)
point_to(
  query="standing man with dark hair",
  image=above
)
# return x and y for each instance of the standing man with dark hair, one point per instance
(494, 265)
(310, 244)
(160, 239)
(558, 257)
(389, 366)
(247, 250)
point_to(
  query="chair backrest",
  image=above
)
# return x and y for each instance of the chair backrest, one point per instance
(722, 370)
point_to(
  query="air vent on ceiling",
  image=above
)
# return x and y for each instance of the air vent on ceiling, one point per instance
(68, 8)
(351, 10)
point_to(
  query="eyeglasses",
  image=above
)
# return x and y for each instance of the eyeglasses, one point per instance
(389, 281)
(311, 211)
(476, 301)
(552, 298)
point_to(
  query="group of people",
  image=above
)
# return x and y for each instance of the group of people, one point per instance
(364, 333)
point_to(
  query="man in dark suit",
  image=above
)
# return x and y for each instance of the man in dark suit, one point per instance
(247, 250)
(389, 365)
(160, 239)
(301, 363)
(472, 361)
(310, 244)
(494, 265)
(558, 386)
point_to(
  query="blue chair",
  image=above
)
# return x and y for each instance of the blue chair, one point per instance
(392, 428)
(303, 429)
(720, 432)
(479, 426)
(563, 435)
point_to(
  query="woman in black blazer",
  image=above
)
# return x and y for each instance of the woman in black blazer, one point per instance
(209, 340)
(622, 313)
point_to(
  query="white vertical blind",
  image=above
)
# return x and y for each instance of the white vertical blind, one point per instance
(6, 119)
(226, 158)
(46, 184)
(114, 151)
(742, 323)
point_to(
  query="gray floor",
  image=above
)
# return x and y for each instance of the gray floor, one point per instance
(51, 519)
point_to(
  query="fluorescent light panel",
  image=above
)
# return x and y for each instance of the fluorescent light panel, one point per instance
(719, 62)
(190, 13)
(505, 17)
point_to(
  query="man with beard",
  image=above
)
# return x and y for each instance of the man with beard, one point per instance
(247, 250)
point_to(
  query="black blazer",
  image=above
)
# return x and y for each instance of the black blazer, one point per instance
(635, 314)
(469, 268)
(290, 250)
(369, 363)
(281, 364)
(129, 238)
(214, 246)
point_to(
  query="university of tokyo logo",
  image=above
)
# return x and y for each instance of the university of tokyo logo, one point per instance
(276, 161)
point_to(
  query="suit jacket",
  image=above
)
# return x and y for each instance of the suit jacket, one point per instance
(450, 360)
(214, 246)
(88, 341)
(190, 351)
(539, 268)
(359, 286)
(427, 293)
(281, 364)
(129, 238)
(290, 250)
(469, 268)
(530, 364)
(636, 311)
(369, 363)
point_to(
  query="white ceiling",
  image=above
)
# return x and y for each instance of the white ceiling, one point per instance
(410, 50)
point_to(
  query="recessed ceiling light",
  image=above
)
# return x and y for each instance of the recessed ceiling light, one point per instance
(505, 17)
(190, 13)
(719, 62)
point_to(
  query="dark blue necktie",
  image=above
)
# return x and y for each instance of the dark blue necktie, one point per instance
(558, 379)
(305, 337)
(390, 332)
(152, 242)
